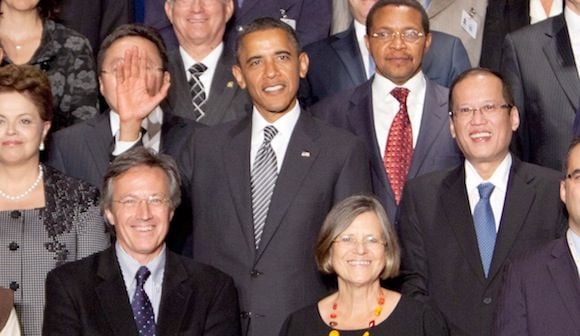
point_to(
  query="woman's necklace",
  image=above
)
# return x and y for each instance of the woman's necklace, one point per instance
(25, 193)
(376, 313)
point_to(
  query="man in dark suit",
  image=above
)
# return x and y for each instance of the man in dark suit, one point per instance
(459, 227)
(342, 61)
(138, 287)
(541, 294)
(133, 80)
(310, 19)
(200, 45)
(369, 111)
(538, 63)
(503, 17)
(262, 185)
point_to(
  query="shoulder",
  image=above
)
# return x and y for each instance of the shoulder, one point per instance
(80, 129)
(304, 318)
(421, 313)
(205, 276)
(433, 180)
(77, 272)
(71, 38)
(537, 174)
(70, 190)
(533, 260)
(530, 33)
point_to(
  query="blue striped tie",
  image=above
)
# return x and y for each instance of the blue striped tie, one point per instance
(485, 225)
(264, 175)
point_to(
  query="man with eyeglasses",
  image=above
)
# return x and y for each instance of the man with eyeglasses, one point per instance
(342, 61)
(401, 115)
(132, 65)
(459, 227)
(137, 286)
(203, 87)
(541, 294)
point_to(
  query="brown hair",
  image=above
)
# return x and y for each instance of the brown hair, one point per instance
(30, 82)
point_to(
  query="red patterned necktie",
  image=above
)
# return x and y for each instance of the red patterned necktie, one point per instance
(399, 150)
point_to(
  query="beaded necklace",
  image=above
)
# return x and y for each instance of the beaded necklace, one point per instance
(376, 313)
(25, 193)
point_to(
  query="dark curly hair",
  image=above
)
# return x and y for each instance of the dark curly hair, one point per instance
(31, 82)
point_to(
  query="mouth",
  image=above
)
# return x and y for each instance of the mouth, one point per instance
(143, 228)
(11, 143)
(274, 88)
(359, 262)
(480, 136)
(196, 20)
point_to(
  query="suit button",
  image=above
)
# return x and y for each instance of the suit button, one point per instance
(487, 300)
(14, 285)
(13, 246)
(255, 273)
(15, 214)
(245, 315)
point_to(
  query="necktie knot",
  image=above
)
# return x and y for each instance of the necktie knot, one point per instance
(142, 275)
(400, 94)
(485, 190)
(197, 69)
(269, 134)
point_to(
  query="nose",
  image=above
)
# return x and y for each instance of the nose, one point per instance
(360, 247)
(10, 127)
(477, 117)
(144, 210)
(270, 68)
(397, 41)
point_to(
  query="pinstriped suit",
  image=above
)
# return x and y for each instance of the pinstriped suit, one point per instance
(32, 242)
(539, 66)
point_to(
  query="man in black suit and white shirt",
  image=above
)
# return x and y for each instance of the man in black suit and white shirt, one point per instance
(138, 287)
(459, 227)
(203, 87)
(262, 185)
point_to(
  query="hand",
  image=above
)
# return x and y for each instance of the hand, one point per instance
(139, 91)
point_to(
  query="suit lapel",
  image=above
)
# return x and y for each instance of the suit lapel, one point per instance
(223, 89)
(178, 98)
(301, 154)
(174, 297)
(565, 277)
(455, 205)
(434, 121)
(350, 55)
(437, 7)
(237, 165)
(558, 50)
(112, 295)
(519, 199)
(100, 142)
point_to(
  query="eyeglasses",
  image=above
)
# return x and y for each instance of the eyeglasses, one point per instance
(409, 35)
(206, 3)
(350, 241)
(488, 110)
(574, 176)
(134, 202)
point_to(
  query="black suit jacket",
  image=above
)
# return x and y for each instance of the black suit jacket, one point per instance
(84, 150)
(227, 101)
(88, 297)
(441, 259)
(435, 149)
(336, 64)
(538, 63)
(541, 294)
(322, 166)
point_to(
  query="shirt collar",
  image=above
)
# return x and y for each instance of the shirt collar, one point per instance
(499, 178)
(360, 31)
(572, 21)
(130, 266)
(284, 125)
(415, 84)
(210, 61)
(156, 117)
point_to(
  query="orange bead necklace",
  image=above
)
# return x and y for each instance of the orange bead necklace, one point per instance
(376, 313)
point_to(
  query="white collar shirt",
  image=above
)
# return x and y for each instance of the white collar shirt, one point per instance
(152, 124)
(573, 24)
(210, 61)
(360, 31)
(537, 12)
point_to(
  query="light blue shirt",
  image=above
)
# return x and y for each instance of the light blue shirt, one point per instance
(154, 283)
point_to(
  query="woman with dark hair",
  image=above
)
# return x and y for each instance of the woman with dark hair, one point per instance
(28, 35)
(359, 245)
(46, 218)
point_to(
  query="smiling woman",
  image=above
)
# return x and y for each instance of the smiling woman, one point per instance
(46, 218)
(359, 245)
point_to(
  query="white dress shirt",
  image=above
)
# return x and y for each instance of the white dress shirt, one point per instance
(153, 120)
(574, 245)
(499, 179)
(360, 31)
(210, 61)
(154, 283)
(573, 24)
(385, 106)
(284, 125)
(537, 12)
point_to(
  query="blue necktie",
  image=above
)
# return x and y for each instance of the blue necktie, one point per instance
(142, 308)
(139, 11)
(485, 225)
